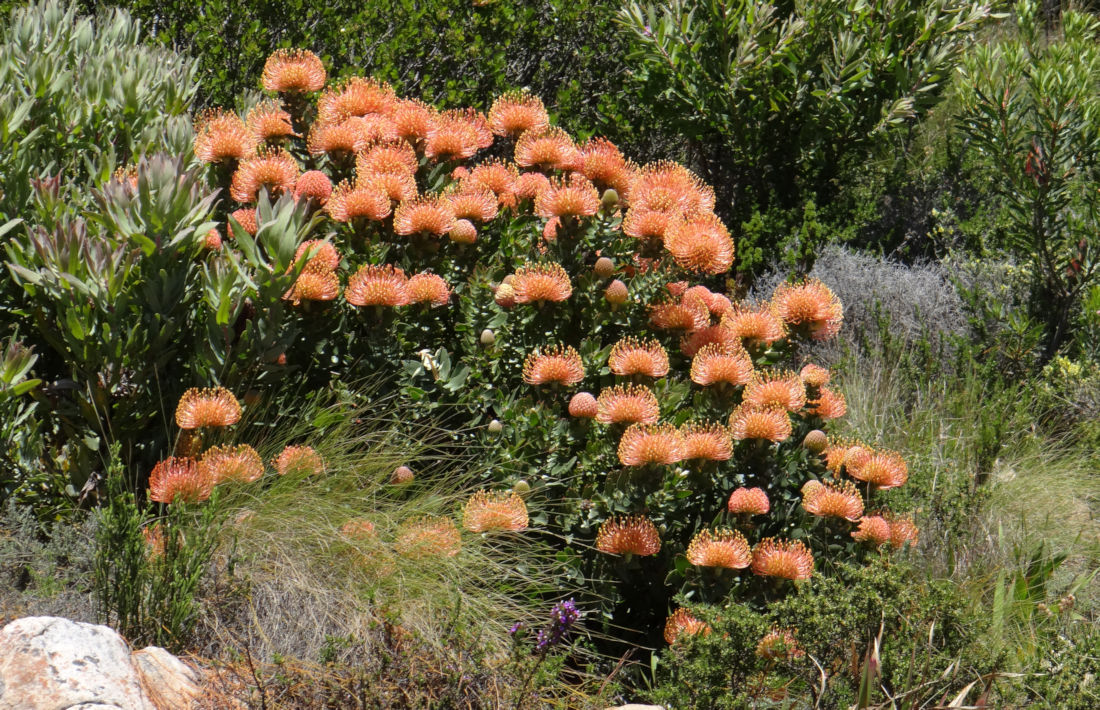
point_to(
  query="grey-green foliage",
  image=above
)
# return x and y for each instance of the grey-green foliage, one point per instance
(21, 443)
(79, 97)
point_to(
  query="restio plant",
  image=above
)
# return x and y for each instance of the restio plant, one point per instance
(779, 99)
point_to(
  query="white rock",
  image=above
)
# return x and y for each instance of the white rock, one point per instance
(47, 663)
(170, 682)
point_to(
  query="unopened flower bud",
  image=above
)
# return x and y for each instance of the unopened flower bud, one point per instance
(495, 427)
(522, 488)
(616, 292)
(401, 476)
(505, 296)
(604, 267)
(488, 338)
(610, 201)
(815, 441)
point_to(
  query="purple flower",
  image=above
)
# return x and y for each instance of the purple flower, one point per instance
(562, 617)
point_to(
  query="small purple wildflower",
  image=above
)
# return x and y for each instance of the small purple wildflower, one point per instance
(562, 617)
(515, 628)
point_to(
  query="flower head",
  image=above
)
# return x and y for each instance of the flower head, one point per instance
(754, 324)
(317, 282)
(754, 421)
(232, 463)
(829, 404)
(836, 453)
(538, 283)
(814, 375)
(556, 364)
(627, 403)
(267, 119)
(452, 136)
(221, 136)
(313, 185)
(397, 187)
(179, 478)
(321, 254)
(689, 314)
(701, 243)
(427, 214)
(716, 364)
(349, 202)
(496, 176)
(212, 240)
(810, 304)
(430, 289)
(631, 356)
(602, 163)
(902, 530)
(428, 536)
(644, 444)
(529, 185)
(782, 388)
(378, 285)
(358, 528)
(413, 119)
(546, 148)
(246, 218)
(386, 157)
(293, 71)
(709, 442)
(630, 535)
(298, 460)
(335, 138)
(719, 548)
(837, 500)
(583, 406)
(207, 407)
(475, 205)
(681, 622)
(750, 501)
(692, 343)
(273, 170)
(355, 96)
(402, 475)
(671, 188)
(515, 112)
(873, 529)
(494, 511)
(647, 225)
(571, 197)
(563, 616)
(881, 468)
(787, 559)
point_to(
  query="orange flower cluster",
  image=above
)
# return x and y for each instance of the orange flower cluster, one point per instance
(786, 559)
(232, 463)
(631, 356)
(681, 622)
(627, 404)
(553, 365)
(631, 535)
(541, 283)
(298, 460)
(708, 442)
(749, 501)
(378, 285)
(645, 444)
(216, 407)
(495, 511)
(427, 537)
(719, 548)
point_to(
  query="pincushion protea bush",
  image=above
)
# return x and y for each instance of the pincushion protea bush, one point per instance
(444, 224)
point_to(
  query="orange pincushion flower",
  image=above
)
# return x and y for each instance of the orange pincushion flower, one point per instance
(355, 96)
(464, 232)
(529, 185)
(398, 187)
(232, 463)
(837, 500)
(515, 112)
(556, 364)
(321, 254)
(275, 170)
(836, 453)
(631, 356)
(750, 501)
(316, 283)
(627, 403)
(378, 285)
(478, 205)
(313, 185)
(692, 343)
(830, 405)
(644, 444)
(495, 511)
(572, 197)
(335, 138)
(754, 421)
(882, 469)
(873, 529)
(669, 187)
(787, 559)
(374, 128)
(298, 460)
(583, 406)
(479, 123)
(902, 531)
(647, 224)
(496, 176)
(246, 218)
(537, 283)
(716, 364)
(179, 478)
(427, 214)
(690, 315)
(386, 157)
(451, 137)
(681, 622)
(757, 324)
(602, 163)
(429, 288)
(709, 442)
(778, 645)
(222, 135)
(814, 375)
(207, 407)
(428, 536)
(412, 119)
(719, 548)
(267, 119)
(810, 304)
(293, 70)
(630, 535)
(348, 202)
(716, 303)
(212, 240)
(547, 148)
(701, 243)
(782, 388)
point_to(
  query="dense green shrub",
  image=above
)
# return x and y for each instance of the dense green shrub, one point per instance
(779, 98)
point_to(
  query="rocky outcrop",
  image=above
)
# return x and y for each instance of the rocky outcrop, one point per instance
(48, 663)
